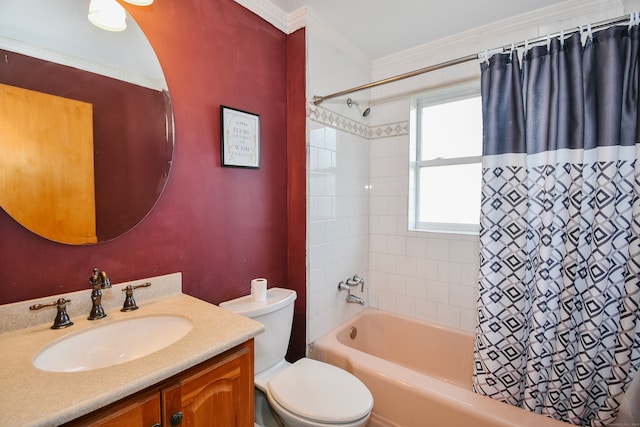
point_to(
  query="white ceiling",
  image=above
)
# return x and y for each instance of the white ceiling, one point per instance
(383, 27)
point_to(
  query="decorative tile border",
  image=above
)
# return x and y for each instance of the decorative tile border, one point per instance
(340, 122)
(390, 129)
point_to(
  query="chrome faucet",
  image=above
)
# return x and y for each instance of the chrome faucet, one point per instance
(348, 284)
(354, 299)
(98, 280)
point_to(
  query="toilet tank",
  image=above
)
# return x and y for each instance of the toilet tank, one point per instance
(276, 314)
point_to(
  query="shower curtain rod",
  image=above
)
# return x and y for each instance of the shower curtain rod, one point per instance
(317, 100)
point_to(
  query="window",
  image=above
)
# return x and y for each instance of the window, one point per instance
(447, 161)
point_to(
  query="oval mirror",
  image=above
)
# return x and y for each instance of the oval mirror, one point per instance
(86, 122)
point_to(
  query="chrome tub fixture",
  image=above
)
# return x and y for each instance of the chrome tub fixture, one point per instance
(346, 285)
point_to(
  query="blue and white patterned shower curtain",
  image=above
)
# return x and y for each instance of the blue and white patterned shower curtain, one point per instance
(559, 294)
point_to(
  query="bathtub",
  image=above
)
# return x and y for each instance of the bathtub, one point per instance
(419, 374)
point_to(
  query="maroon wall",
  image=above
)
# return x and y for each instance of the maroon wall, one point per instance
(220, 227)
(128, 122)
(297, 187)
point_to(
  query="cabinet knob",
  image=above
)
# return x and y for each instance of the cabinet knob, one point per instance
(156, 425)
(176, 419)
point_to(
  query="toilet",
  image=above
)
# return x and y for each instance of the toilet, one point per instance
(307, 393)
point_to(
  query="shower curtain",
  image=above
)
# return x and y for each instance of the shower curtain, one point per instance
(559, 290)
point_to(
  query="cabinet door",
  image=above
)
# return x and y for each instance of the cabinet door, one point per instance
(219, 394)
(142, 410)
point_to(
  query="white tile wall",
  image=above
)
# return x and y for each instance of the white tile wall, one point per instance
(338, 174)
(338, 230)
(423, 275)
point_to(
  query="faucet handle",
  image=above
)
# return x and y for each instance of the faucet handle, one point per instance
(343, 286)
(106, 283)
(62, 319)
(129, 302)
(99, 279)
(355, 281)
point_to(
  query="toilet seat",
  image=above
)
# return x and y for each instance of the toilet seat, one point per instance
(320, 392)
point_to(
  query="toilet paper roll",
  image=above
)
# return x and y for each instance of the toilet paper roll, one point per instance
(259, 289)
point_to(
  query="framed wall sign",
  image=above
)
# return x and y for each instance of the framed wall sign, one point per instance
(240, 138)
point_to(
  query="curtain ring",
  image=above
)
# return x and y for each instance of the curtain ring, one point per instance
(590, 32)
(582, 32)
(486, 56)
(548, 42)
(562, 38)
(513, 47)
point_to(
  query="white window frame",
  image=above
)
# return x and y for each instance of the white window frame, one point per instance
(442, 95)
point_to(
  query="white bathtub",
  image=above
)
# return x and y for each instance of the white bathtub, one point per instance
(419, 374)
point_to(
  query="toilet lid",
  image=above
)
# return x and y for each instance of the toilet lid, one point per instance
(321, 392)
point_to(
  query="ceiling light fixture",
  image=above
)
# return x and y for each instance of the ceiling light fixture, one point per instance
(108, 15)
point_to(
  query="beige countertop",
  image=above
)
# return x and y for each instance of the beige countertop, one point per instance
(32, 397)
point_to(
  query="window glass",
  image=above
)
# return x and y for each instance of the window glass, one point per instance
(452, 129)
(446, 176)
(450, 194)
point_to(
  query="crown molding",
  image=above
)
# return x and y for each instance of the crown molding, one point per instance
(269, 12)
(297, 19)
(276, 16)
(305, 16)
(567, 12)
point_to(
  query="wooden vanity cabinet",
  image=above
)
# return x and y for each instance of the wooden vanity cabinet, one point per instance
(215, 393)
(141, 409)
(218, 395)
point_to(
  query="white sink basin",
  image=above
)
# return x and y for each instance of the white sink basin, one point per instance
(111, 344)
